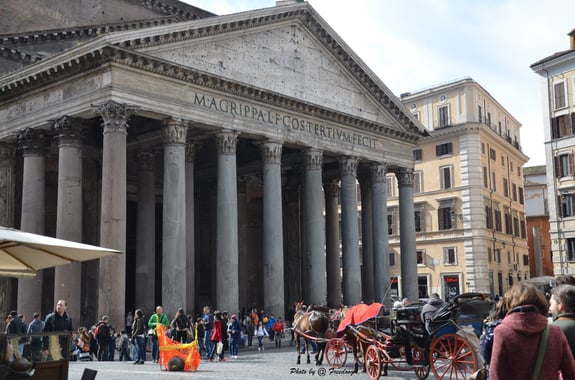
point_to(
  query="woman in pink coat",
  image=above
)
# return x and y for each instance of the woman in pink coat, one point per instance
(516, 340)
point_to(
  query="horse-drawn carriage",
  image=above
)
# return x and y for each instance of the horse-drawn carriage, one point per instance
(379, 339)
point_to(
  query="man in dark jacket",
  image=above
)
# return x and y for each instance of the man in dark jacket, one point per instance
(104, 337)
(58, 321)
(427, 311)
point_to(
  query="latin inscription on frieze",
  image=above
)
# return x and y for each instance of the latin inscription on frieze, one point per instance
(283, 120)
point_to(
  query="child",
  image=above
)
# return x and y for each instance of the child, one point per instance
(124, 346)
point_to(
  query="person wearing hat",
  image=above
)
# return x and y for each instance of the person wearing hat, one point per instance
(235, 333)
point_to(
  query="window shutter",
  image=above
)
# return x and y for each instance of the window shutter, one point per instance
(438, 150)
(449, 148)
(560, 206)
(557, 167)
(571, 163)
(555, 128)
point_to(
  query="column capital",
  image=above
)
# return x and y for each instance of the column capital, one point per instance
(69, 131)
(348, 165)
(404, 177)
(331, 188)
(31, 141)
(115, 116)
(226, 142)
(271, 152)
(7, 153)
(174, 131)
(378, 172)
(313, 159)
(146, 160)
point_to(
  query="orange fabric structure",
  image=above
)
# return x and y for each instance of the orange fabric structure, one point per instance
(170, 348)
(358, 314)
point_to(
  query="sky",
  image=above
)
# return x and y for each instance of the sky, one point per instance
(415, 44)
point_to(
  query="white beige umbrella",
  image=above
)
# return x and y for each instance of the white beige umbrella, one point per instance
(23, 253)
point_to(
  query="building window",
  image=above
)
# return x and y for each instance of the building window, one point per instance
(489, 255)
(570, 249)
(521, 199)
(482, 148)
(564, 165)
(498, 255)
(559, 95)
(488, 217)
(523, 228)
(514, 192)
(567, 205)
(420, 257)
(480, 114)
(443, 149)
(497, 215)
(445, 177)
(391, 259)
(485, 178)
(419, 217)
(417, 182)
(392, 221)
(505, 188)
(489, 118)
(446, 215)
(492, 154)
(562, 126)
(417, 154)
(390, 185)
(443, 116)
(508, 222)
(493, 182)
(449, 256)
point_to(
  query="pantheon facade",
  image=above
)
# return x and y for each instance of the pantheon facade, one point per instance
(225, 156)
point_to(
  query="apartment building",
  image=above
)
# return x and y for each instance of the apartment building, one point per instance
(558, 98)
(468, 194)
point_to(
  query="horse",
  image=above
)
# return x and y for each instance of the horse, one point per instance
(313, 323)
(357, 337)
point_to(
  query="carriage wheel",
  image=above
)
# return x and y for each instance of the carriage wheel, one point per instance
(373, 363)
(419, 367)
(452, 357)
(335, 353)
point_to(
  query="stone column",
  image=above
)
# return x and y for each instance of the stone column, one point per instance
(68, 278)
(314, 227)
(32, 144)
(381, 272)
(7, 193)
(146, 232)
(227, 223)
(190, 227)
(350, 232)
(367, 272)
(112, 286)
(407, 235)
(333, 266)
(273, 254)
(174, 216)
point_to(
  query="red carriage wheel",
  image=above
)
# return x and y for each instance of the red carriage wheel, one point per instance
(452, 357)
(419, 367)
(335, 353)
(373, 362)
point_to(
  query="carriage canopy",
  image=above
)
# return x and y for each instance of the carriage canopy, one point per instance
(359, 314)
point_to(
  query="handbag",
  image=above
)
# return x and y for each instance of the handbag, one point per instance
(219, 348)
(151, 332)
(541, 353)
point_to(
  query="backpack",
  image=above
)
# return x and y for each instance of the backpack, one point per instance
(486, 346)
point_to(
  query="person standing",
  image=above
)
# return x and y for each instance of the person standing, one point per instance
(208, 319)
(139, 337)
(217, 337)
(260, 333)
(17, 326)
(103, 337)
(180, 324)
(36, 327)
(516, 339)
(58, 321)
(235, 333)
(562, 309)
(158, 318)
(279, 331)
